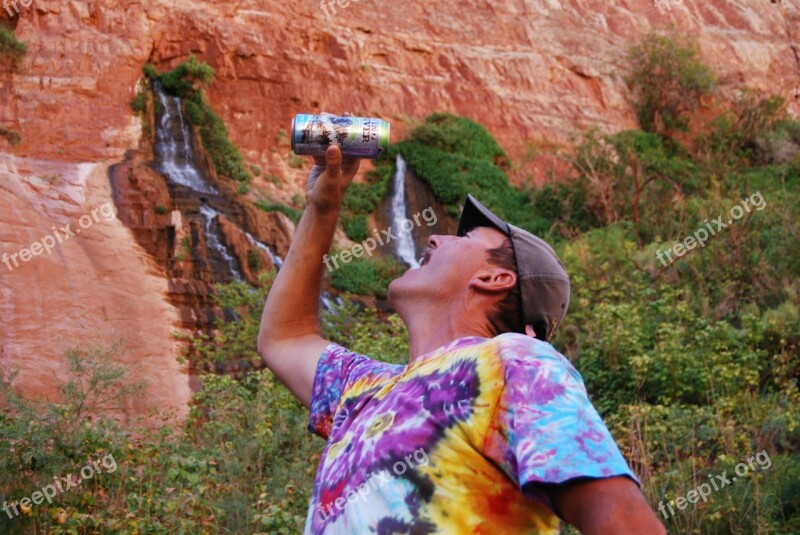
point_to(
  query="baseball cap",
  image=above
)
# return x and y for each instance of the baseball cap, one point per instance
(542, 279)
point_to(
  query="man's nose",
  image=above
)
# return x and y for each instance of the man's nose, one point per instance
(437, 240)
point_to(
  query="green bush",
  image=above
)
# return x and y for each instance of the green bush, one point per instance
(356, 228)
(11, 49)
(668, 81)
(150, 72)
(139, 102)
(456, 156)
(365, 276)
(269, 206)
(227, 159)
(12, 136)
(186, 79)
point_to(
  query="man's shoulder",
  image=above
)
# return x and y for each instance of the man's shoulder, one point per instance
(354, 364)
(519, 350)
(516, 346)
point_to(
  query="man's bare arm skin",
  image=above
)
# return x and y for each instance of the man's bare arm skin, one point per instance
(289, 339)
(612, 506)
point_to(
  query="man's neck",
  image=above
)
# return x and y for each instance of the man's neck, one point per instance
(429, 330)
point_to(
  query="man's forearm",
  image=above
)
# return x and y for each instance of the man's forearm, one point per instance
(291, 309)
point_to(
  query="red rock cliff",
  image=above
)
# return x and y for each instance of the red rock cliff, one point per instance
(523, 68)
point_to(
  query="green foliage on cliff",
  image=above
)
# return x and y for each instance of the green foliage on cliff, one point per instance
(364, 198)
(456, 156)
(366, 275)
(12, 50)
(187, 81)
(12, 136)
(270, 206)
(668, 81)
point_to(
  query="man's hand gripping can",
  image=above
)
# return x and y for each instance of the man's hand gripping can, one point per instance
(358, 137)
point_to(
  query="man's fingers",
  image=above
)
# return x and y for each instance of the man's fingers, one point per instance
(334, 162)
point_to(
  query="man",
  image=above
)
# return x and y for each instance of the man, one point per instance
(487, 429)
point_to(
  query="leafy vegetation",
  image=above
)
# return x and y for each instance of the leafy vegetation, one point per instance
(139, 102)
(366, 275)
(187, 81)
(243, 463)
(456, 156)
(12, 136)
(12, 50)
(270, 206)
(364, 198)
(668, 81)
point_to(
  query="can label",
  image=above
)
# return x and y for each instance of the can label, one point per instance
(360, 137)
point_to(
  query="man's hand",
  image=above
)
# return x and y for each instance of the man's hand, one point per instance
(612, 506)
(329, 179)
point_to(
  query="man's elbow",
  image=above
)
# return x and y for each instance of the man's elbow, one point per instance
(265, 346)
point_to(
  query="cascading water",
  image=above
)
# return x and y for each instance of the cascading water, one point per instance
(277, 261)
(173, 148)
(404, 247)
(174, 145)
(328, 300)
(214, 243)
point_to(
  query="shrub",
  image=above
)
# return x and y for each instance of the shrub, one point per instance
(456, 156)
(12, 136)
(187, 78)
(150, 72)
(12, 51)
(270, 206)
(295, 161)
(668, 81)
(356, 228)
(366, 276)
(227, 159)
(139, 102)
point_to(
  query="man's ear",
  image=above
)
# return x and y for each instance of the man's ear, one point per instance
(493, 280)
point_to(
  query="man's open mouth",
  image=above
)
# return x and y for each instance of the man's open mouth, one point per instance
(425, 258)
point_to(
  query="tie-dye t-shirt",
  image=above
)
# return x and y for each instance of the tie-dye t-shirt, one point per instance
(447, 443)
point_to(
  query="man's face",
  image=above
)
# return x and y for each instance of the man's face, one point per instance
(448, 264)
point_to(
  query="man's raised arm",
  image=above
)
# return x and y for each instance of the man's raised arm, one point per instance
(290, 340)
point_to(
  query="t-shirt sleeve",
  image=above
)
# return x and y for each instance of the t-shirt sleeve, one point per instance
(337, 368)
(545, 429)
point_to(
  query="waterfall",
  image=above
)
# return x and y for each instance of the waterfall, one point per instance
(277, 261)
(404, 247)
(174, 145)
(214, 243)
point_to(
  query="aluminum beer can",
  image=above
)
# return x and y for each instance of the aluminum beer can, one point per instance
(359, 137)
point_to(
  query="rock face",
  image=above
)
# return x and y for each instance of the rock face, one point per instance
(527, 69)
(96, 286)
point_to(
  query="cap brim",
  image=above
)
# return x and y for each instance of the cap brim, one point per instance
(477, 215)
